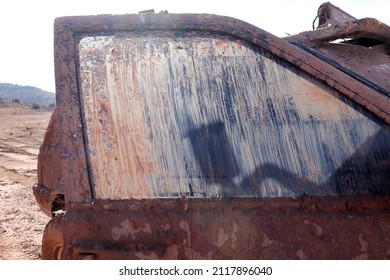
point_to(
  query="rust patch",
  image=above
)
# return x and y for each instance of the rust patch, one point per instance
(329, 14)
(127, 229)
(231, 229)
(365, 61)
(301, 255)
(317, 227)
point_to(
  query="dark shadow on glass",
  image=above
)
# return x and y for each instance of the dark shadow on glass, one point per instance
(366, 172)
(214, 152)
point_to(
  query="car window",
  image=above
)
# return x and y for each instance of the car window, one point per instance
(208, 115)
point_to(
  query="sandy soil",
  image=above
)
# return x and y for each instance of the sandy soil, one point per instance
(21, 221)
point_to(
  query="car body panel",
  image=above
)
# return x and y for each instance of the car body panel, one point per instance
(204, 137)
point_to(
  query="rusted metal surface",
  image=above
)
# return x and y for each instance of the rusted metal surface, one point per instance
(329, 14)
(357, 47)
(368, 63)
(203, 137)
(366, 27)
(50, 181)
(302, 228)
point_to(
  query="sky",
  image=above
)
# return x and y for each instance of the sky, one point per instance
(26, 26)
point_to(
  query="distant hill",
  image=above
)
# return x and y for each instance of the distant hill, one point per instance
(26, 94)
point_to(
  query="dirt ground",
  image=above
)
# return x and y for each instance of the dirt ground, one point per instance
(21, 221)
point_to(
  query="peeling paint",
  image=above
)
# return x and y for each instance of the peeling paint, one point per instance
(127, 229)
(143, 256)
(317, 227)
(361, 257)
(248, 228)
(363, 243)
(301, 255)
(172, 253)
(266, 241)
(192, 254)
(166, 227)
(222, 237)
(234, 237)
(185, 226)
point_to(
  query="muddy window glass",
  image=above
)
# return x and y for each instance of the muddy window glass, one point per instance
(170, 115)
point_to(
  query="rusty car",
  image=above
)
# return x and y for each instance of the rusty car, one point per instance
(198, 136)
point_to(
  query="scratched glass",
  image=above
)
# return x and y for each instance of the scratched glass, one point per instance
(214, 116)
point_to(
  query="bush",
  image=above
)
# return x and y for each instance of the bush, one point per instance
(35, 106)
